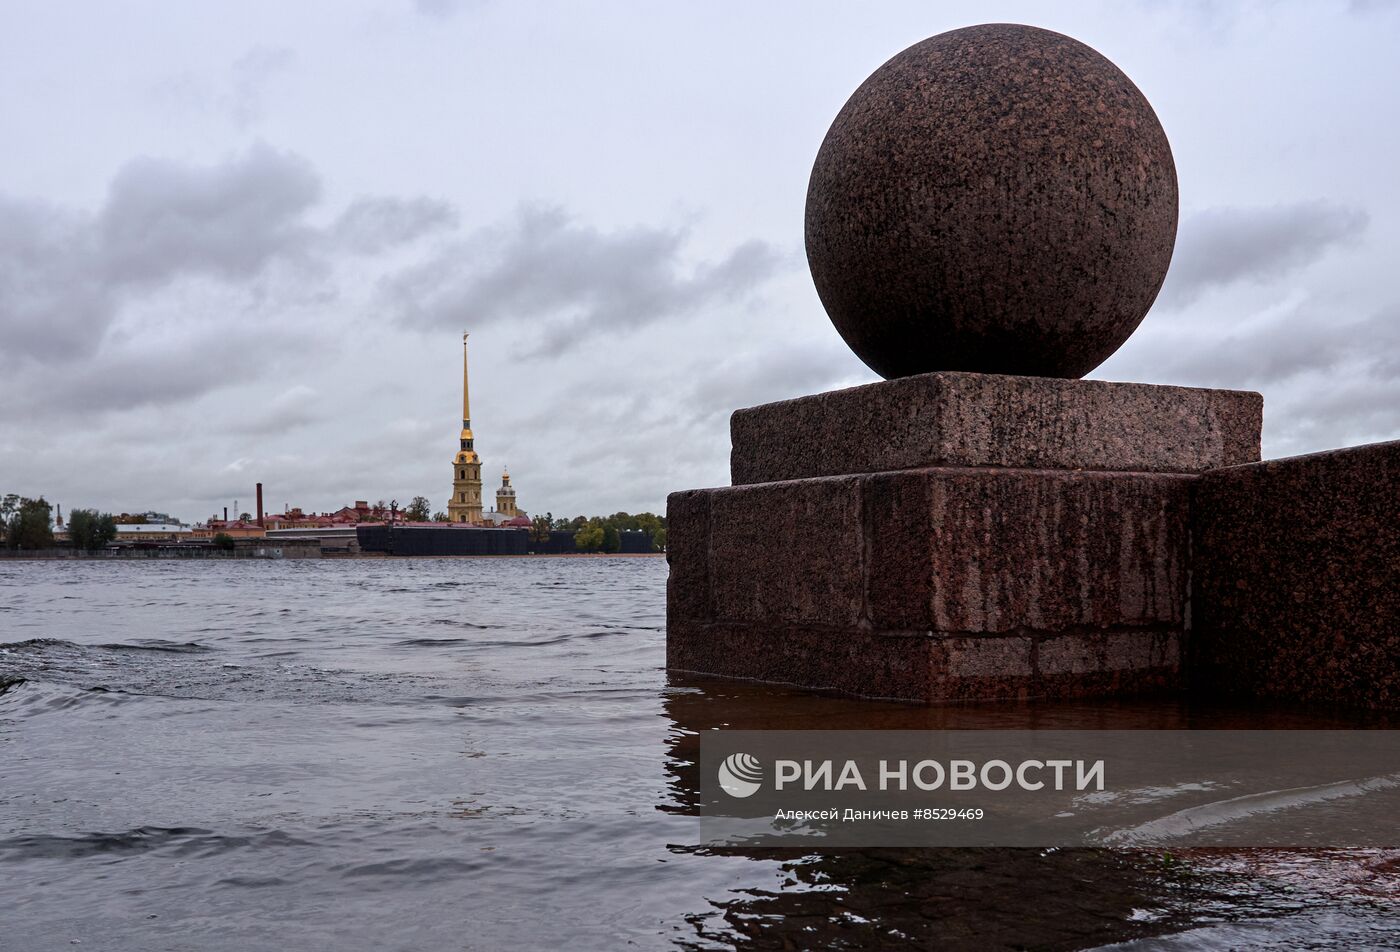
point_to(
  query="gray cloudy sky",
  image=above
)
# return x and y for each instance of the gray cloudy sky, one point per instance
(239, 241)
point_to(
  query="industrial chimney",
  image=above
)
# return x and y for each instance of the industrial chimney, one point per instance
(261, 524)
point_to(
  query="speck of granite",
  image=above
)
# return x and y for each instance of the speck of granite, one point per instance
(996, 199)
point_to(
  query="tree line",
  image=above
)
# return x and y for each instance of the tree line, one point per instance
(601, 533)
(28, 524)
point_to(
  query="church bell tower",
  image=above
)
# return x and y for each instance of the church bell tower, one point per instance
(505, 497)
(465, 505)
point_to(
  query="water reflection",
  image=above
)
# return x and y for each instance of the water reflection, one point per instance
(1005, 898)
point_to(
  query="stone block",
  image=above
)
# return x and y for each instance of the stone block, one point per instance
(784, 553)
(935, 584)
(925, 667)
(962, 419)
(992, 551)
(688, 555)
(1296, 592)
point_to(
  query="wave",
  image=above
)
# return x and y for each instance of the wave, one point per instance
(180, 840)
(39, 698)
(157, 644)
(144, 644)
(1193, 820)
(429, 870)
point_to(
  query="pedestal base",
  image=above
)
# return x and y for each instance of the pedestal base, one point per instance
(965, 557)
(934, 584)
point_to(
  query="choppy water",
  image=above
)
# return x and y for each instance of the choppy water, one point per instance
(479, 754)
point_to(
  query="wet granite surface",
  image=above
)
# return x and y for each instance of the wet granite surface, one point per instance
(934, 584)
(999, 199)
(959, 419)
(1297, 578)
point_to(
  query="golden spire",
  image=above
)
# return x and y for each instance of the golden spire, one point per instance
(467, 452)
(466, 399)
(465, 504)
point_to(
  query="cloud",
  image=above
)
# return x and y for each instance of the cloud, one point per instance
(54, 301)
(751, 377)
(164, 219)
(375, 224)
(444, 9)
(1277, 348)
(249, 77)
(67, 276)
(569, 281)
(293, 408)
(1225, 246)
(238, 93)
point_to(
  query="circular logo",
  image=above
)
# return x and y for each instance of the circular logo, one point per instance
(740, 775)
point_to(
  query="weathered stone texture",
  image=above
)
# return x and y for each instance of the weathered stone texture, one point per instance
(1040, 550)
(997, 198)
(1297, 578)
(957, 419)
(927, 667)
(937, 583)
(688, 553)
(787, 552)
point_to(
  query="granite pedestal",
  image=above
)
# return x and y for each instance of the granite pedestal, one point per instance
(953, 536)
(1297, 579)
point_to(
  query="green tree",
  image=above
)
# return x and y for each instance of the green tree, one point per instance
(658, 539)
(419, 510)
(589, 539)
(9, 505)
(28, 526)
(612, 542)
(540, 526)
(440, 517)
(90, 530)
(222, 540)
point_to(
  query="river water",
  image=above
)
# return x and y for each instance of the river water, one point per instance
(489, 754)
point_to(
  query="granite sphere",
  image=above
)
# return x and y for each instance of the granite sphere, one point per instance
(996, 199)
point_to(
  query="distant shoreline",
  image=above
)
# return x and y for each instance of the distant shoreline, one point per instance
(143, 555)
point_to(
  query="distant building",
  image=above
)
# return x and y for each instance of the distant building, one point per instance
(153, 532)
(506, 512)
(150, 517)
(465, 506)
(362, 511)
(500, 519)
(505, 497)
(294, 518)
(231, 528)
(333, 538)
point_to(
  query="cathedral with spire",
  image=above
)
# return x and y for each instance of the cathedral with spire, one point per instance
(465, 505)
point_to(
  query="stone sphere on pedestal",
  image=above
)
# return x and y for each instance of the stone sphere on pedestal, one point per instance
(996, 199)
